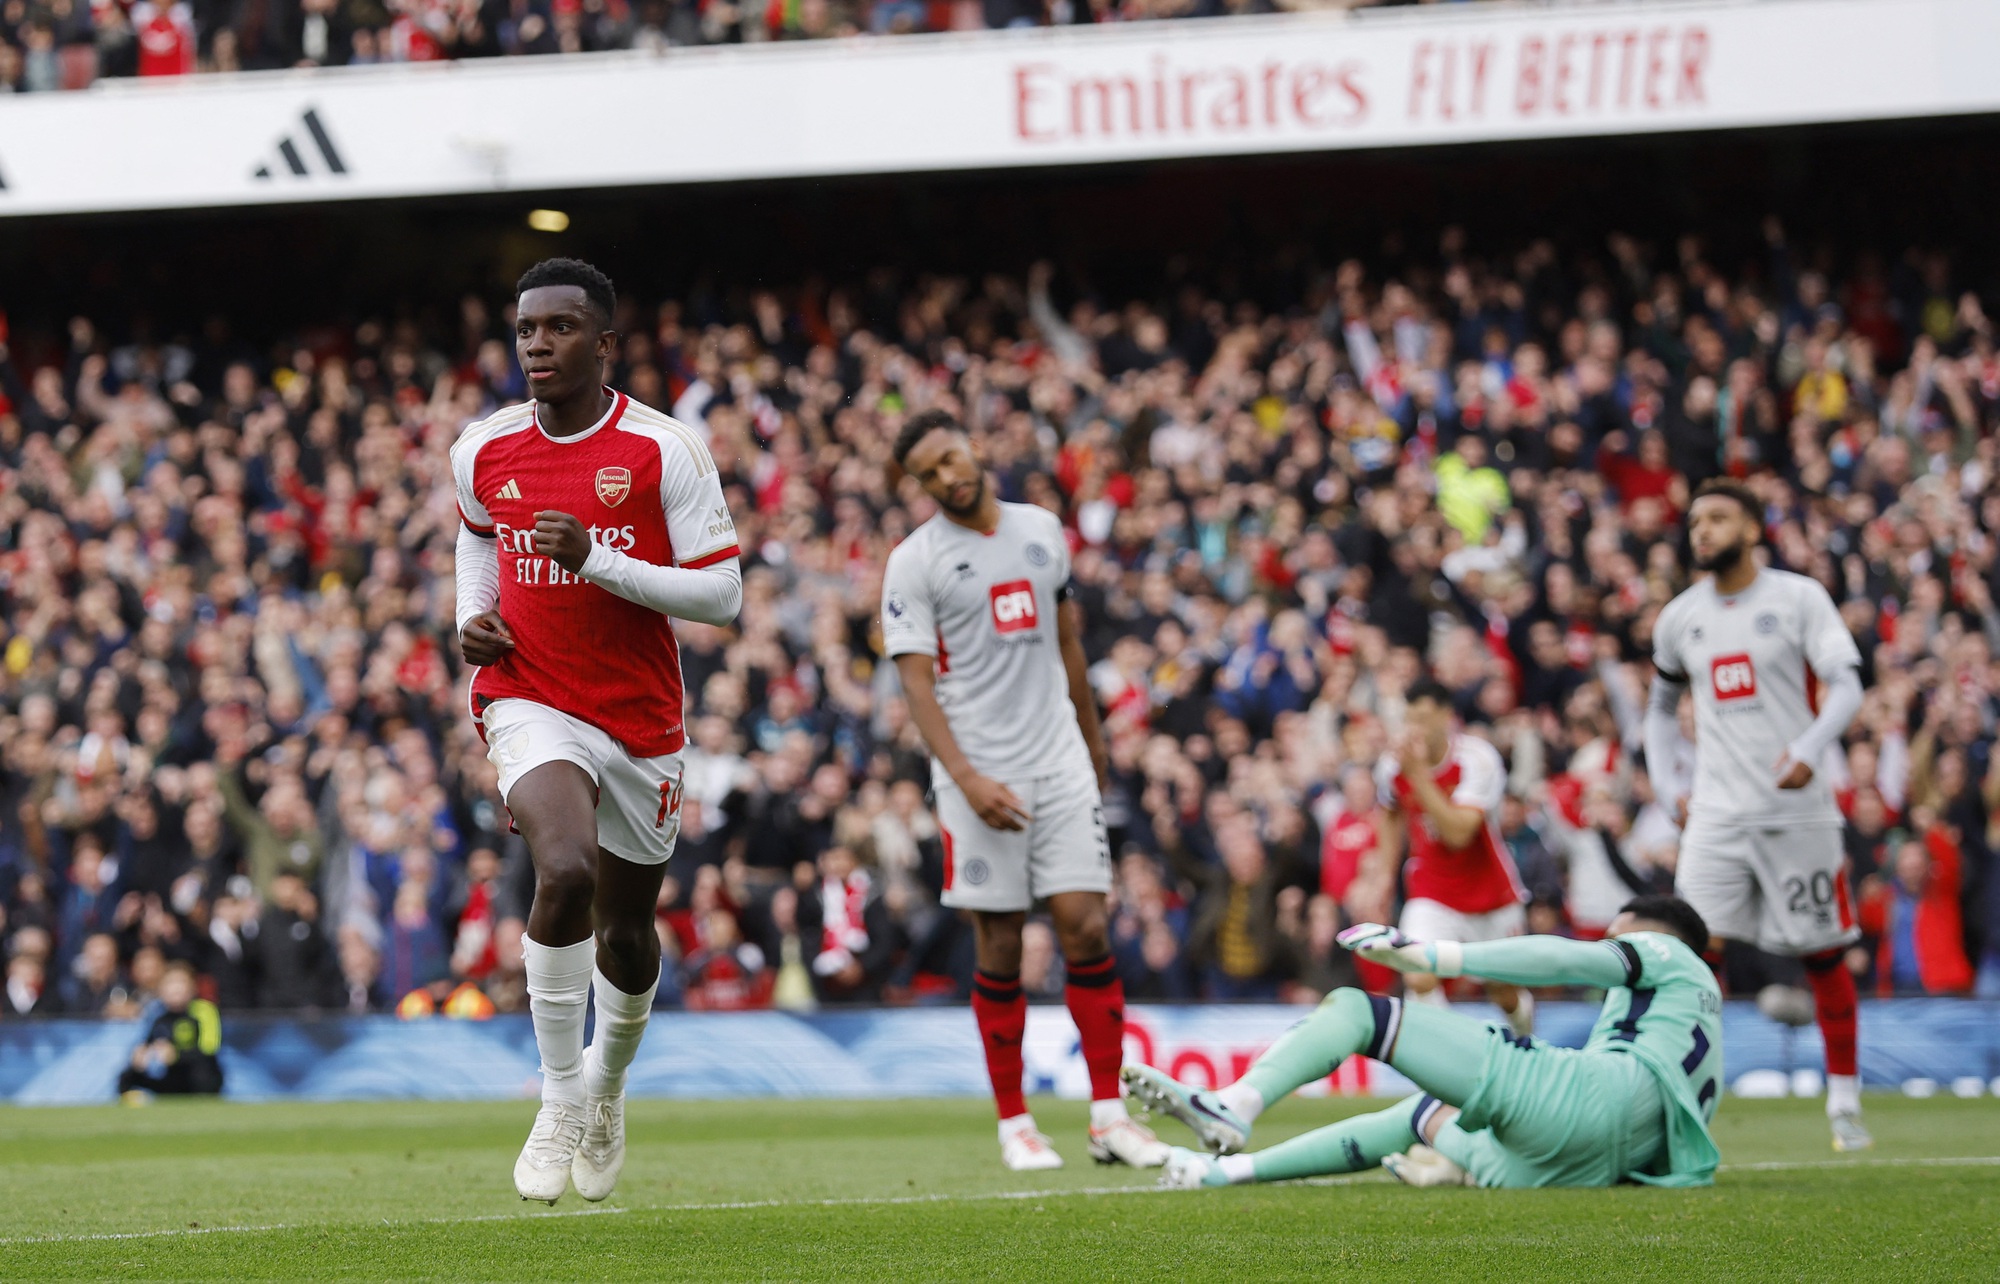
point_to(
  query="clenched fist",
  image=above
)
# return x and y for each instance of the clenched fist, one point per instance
(562, 539)
(486, 639)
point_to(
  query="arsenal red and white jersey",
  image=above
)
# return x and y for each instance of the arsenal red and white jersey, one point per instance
(643, 485)
(1751, 661)
(1480, 877)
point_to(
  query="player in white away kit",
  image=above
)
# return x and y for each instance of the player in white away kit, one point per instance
(976, 612)
(1761, 857)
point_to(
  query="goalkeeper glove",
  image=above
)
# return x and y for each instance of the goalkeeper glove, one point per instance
(1393, 950)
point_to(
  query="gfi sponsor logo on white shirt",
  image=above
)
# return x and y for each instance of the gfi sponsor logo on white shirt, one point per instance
(1735, 677)
(1014, 606)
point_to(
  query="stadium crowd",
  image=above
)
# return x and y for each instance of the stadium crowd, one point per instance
(233, 728)
(69, 44)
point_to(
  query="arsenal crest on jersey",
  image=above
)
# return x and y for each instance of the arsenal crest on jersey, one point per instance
(613, 485)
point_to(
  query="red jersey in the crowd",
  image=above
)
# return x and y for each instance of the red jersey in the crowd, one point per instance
(1349, 836)
(643, 485)
(166, 38)
(475, 952)
(1478, 878)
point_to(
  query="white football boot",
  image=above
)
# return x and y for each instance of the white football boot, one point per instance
(1522, 1018)
(542, 1171)
(1129, 1142)
(600, 1156)
(1025, 1148)
(1849, 1134)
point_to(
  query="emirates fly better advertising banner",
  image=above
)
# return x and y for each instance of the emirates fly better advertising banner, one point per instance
(1231, 86)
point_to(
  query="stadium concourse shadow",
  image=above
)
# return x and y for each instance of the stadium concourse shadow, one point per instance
(923, 1052)
(1250, 227)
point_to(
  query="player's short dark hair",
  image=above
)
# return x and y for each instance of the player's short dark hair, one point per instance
(1672, 912)
(1430, 689)
(595, 285)
(1730, 488)
(921, 425)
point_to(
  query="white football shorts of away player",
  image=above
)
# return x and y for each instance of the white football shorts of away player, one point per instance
(984, 607)
(1760, 864)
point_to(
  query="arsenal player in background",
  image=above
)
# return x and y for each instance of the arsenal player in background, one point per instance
(589, 519)
(1443, 788)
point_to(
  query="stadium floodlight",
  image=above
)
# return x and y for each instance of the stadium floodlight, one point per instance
(548, 220)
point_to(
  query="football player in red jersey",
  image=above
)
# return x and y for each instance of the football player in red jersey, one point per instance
(589, 519)
(1444, 788)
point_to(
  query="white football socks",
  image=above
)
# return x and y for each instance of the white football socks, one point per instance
(1238, 1168)
(1107, 1112)
(1016, 1124)
(1843, 1094)
(1435, 996)
(1245, 1100)
(558, 989)
(621, 1023)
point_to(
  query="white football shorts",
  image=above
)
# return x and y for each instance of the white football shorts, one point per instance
(1429, 920)
(1782, 890)
(638, 799)
(1063, 849)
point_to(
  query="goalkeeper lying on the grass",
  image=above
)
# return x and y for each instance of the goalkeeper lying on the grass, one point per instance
(1632, 1104)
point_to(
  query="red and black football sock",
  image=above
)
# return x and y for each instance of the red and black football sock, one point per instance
(1096, 999)
(1002, 1013)
(1834, 1002)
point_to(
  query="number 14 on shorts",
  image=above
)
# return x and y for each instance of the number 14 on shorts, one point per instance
(670, 800)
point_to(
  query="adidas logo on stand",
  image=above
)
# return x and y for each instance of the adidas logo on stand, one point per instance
(291, 150)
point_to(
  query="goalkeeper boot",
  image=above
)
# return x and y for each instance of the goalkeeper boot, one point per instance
(1190, 1170)
(542, 1171)
(1219, 1129)
(601, 1154)
(1422, 1166)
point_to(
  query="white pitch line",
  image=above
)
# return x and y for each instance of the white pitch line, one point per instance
(283, 1226)
(721, 1206)
(887, 1201)
(1936, 1161)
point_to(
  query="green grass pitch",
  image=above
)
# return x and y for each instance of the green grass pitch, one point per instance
(913, 1190)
